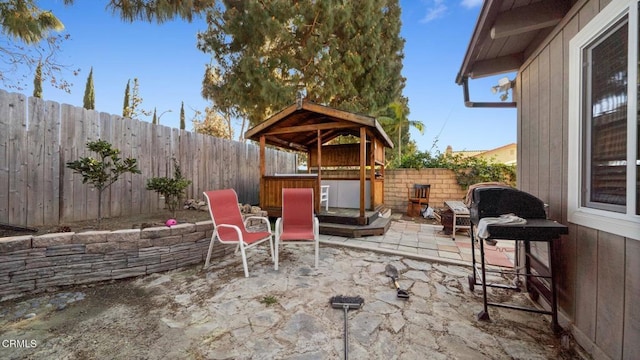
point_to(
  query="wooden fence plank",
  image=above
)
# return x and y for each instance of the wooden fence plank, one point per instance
(137, 180)
(203, 166)
(52, 167)
(128, 178)
(66, 184)
(5, 122)
(214, 156)
(92, 133)
(17, 159)
(145, 135)
(79, 149)
(118, 193)
(35, 160)
(106, 134)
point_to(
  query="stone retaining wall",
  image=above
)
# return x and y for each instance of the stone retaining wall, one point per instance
(444, 186)
(35, 263)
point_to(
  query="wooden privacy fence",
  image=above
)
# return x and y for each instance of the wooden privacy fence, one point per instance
(36, 142)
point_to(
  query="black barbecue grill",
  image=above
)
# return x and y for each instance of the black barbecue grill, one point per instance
(540, 279)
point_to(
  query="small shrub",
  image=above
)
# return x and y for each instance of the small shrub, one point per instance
(171, 188)
(102, 173)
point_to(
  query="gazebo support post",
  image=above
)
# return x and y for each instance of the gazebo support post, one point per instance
(372, 173)
(262, 170)
(316, 194)
(363, 165)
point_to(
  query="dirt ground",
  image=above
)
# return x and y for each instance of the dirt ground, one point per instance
(116, 223)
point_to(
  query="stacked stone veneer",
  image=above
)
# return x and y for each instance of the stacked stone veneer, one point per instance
(35, 263)
(444, 186)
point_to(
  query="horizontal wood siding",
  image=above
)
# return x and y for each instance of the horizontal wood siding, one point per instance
(337, 155)
(598, 271)
(38, 138)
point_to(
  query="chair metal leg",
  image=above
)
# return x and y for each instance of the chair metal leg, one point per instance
(244, 261)
(276, 254)
(206, 262)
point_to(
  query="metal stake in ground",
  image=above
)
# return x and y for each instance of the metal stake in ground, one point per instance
(346, 303)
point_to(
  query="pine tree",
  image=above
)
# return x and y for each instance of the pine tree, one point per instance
(345, 54)
(182, 120)
(126, 110)
(37, 82)
(89, 101)
(154, 121)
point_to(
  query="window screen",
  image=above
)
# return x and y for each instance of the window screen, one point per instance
(605, 161)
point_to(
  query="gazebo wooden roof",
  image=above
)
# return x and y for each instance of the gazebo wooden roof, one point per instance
(296, 127)
(305, 126)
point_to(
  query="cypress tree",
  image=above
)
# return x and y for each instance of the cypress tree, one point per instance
(89, 101)
(126, 110)
(37, 82)
(182, 120)
(154, 121)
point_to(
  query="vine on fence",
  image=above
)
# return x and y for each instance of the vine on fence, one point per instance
(468, 170)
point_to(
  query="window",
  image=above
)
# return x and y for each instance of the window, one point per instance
(604, 146)
(604, 119)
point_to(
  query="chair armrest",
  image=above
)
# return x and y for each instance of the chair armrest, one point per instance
(237, 229)
(259, 218)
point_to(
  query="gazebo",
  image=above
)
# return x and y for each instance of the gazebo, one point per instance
(348, 168)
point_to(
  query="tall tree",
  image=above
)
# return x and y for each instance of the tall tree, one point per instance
(182, 120)
(89, 101)
(154, 121)
(395, 120)
(37, 82)
(345, 54)
(125, 106)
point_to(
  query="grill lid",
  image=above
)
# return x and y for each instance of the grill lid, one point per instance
(495, 201)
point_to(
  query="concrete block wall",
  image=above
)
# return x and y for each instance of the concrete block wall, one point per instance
(35, 263)
(443, 186)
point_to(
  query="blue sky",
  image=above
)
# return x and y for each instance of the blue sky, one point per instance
(170, 68)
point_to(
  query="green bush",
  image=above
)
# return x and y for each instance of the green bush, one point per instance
(468, 170)
(102, 172)
(171, 188)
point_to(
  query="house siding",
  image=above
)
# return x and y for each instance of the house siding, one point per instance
(600, 282)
